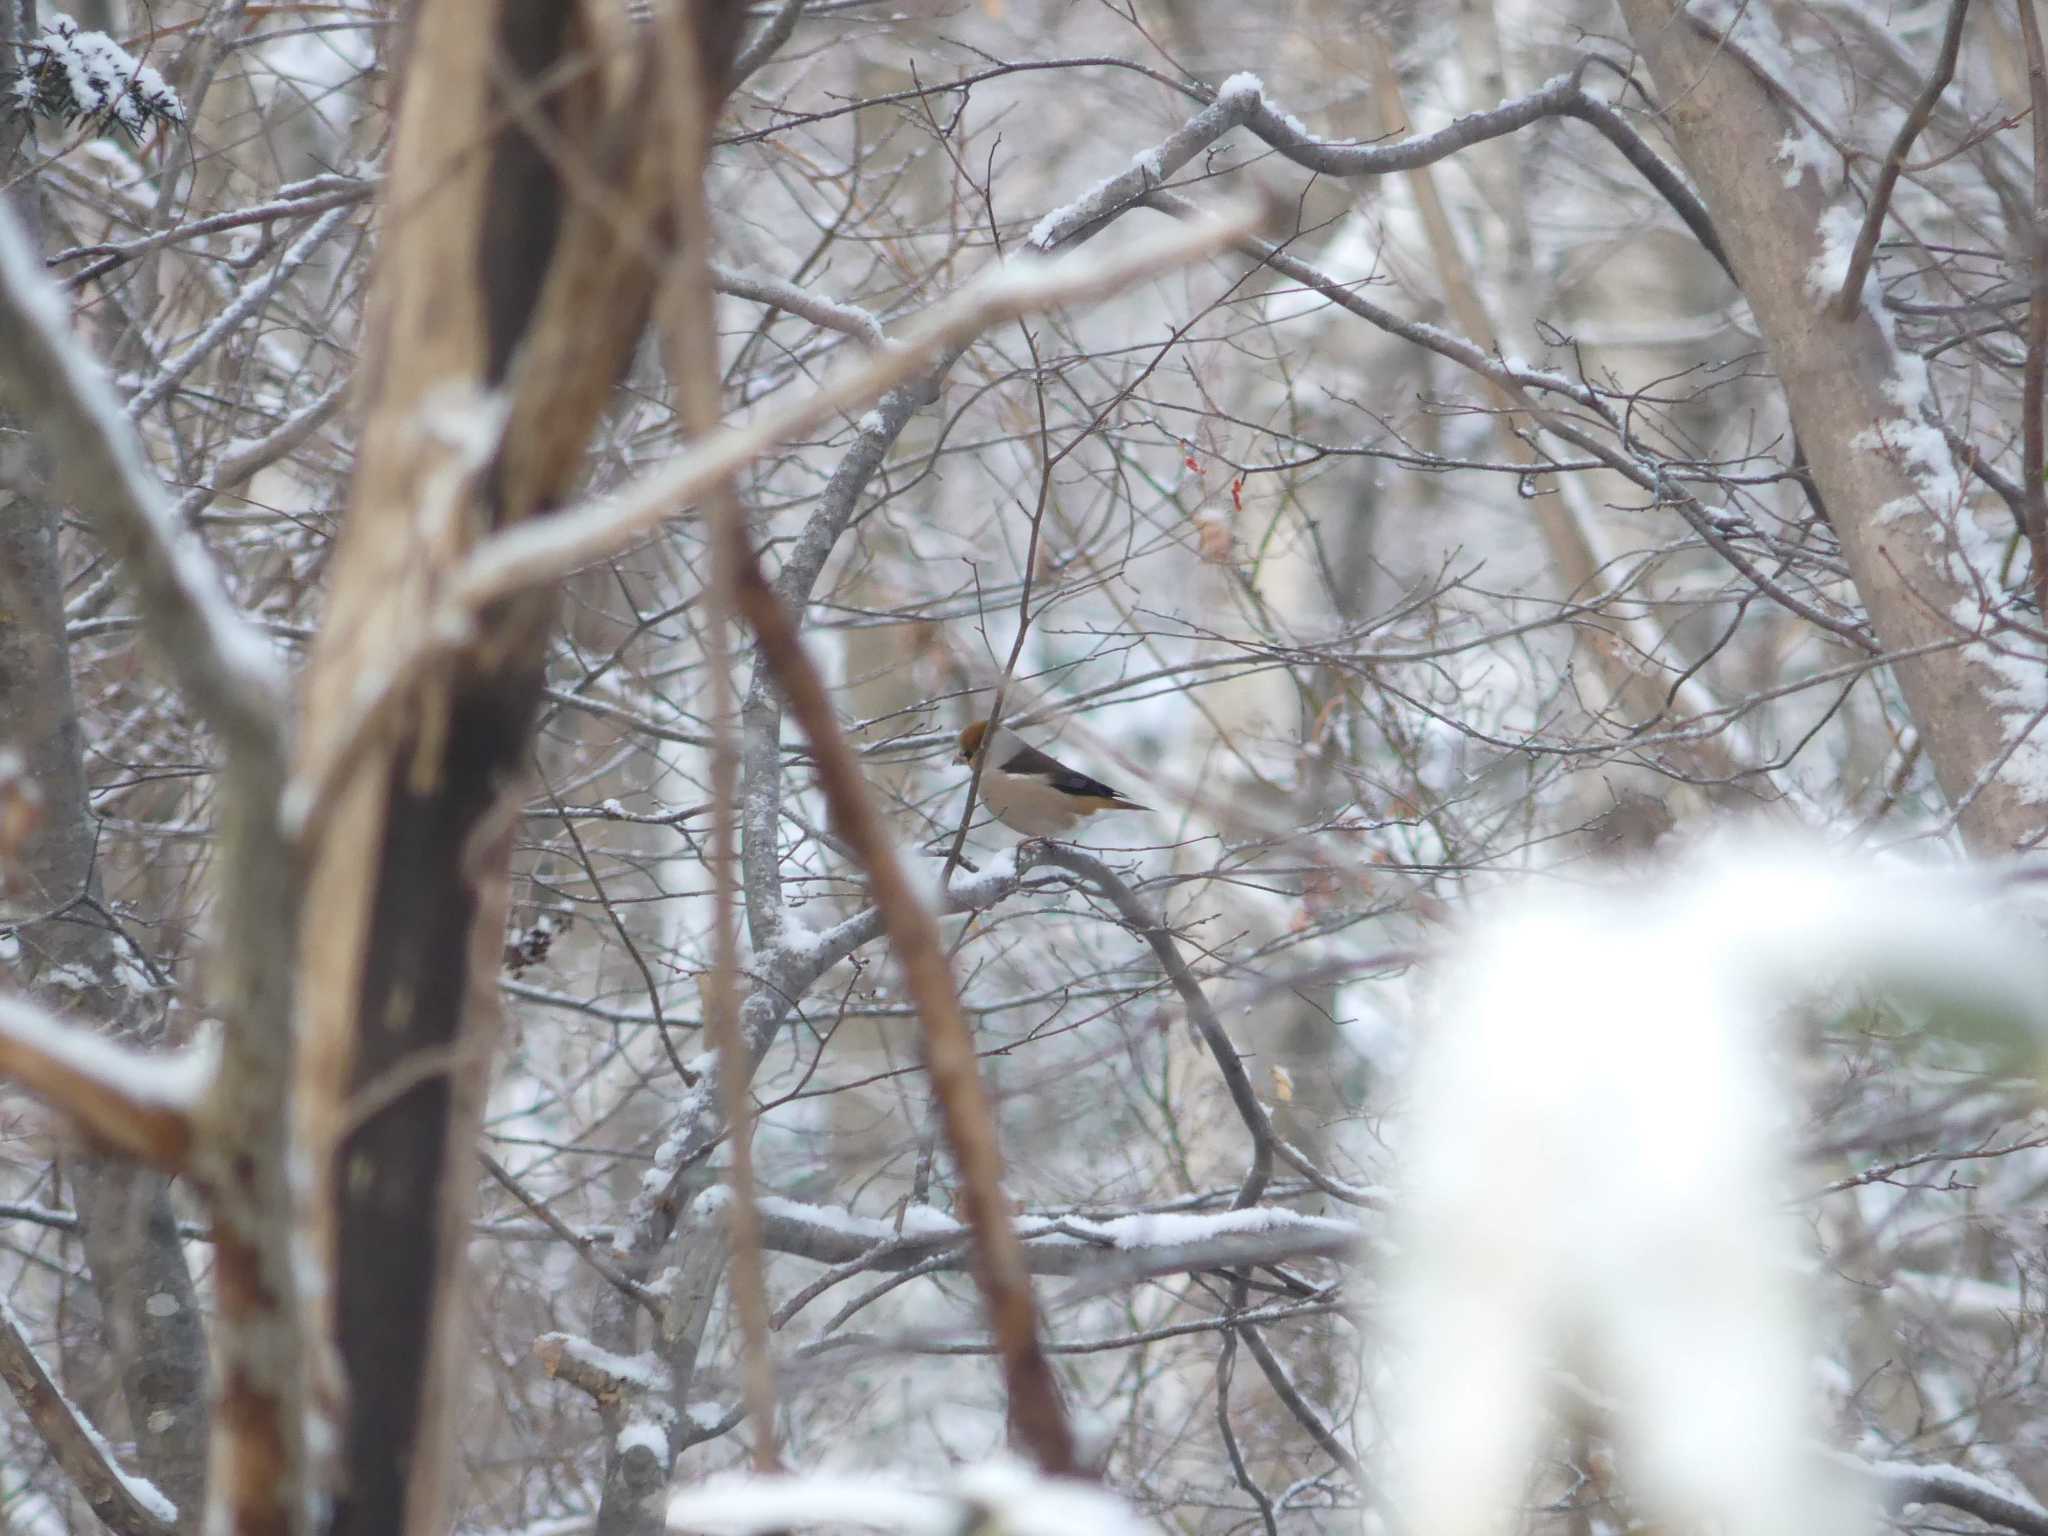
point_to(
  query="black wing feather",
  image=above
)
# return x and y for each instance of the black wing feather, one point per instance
(1062, 778)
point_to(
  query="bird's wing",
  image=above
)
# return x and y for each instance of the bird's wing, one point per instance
(1029, 760)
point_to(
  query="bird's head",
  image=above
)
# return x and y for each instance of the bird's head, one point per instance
(970, 741)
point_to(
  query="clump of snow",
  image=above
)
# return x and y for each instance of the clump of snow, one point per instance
(1086, 206)
(176, 1080)
(1917, 446)
(1598, 1098)
(996, 876)
(927, 1221)
(76, 76)
(1803, 152)
(2018, 678)
(643, 1371)
(1838, 229)
(796, 938)
(1178, 1229)
(140, 1489)
(705, 1416)
(1243, 83)
(645, 1436)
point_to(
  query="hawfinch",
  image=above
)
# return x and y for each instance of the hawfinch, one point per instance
(1029, 792)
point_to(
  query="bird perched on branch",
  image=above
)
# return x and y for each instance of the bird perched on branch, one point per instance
(1029, 792)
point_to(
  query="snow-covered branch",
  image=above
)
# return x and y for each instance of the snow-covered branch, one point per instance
(760, 287)
(126, 1504)
(1900, 1484)
(1000, 1496)
(225, 666)
(138, 1102)
(1104, 1251)
(544, 549)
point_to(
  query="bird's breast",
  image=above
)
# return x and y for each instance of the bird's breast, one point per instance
(1028, 805)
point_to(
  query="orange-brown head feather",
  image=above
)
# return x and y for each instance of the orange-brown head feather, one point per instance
(970, 741)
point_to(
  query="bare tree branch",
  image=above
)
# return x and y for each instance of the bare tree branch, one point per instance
(140, 1103)
(1849, 297)
(225, 666)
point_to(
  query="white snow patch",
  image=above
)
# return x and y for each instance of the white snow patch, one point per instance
(1598, 1097)
(1243, 83)
(643, 1371)
(1804, 152)
(1838, 229)
(1001, 1496)
(1177, 1229)
(997, 875)
(69, 73)
(643, 1435)
(162, 1080)
(2018, 685)
(140, 1489)
(706, 1416)
(1045, 229)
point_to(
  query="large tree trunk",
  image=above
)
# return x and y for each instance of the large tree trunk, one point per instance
(1851, 394)
(529, 201)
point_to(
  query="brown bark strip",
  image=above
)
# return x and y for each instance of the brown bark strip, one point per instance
(256, 1472)
(1037, 1416)
(691, 328)
(529, 202)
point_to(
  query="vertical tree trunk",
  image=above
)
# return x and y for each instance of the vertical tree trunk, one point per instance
(530, 195)
(1856, 415)
(69, 957)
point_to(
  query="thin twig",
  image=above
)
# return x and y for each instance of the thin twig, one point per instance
(1037, 1415)
(1850, 299)
(693, 369)
(584, 1244)
(2034, 453)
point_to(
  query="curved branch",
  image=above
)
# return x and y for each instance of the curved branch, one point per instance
(135, 1102)
(125, 1504)
(1036, 1410)
(1267, 1142)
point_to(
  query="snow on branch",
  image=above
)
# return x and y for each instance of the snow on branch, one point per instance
(543, 549)
(996, 1496)
(1241, 103)
(599, 1372)
(126, 1504)
(233, 315)
(1648, 1226)
(1901, 1483)
(816, 308)
(137, 1102)
(86, 78)
(1104, 1250)
(224, 665)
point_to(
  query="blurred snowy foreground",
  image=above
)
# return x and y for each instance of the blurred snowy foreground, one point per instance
(1595, 1213)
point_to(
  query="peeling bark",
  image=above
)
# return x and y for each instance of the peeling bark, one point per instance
(529, 202)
